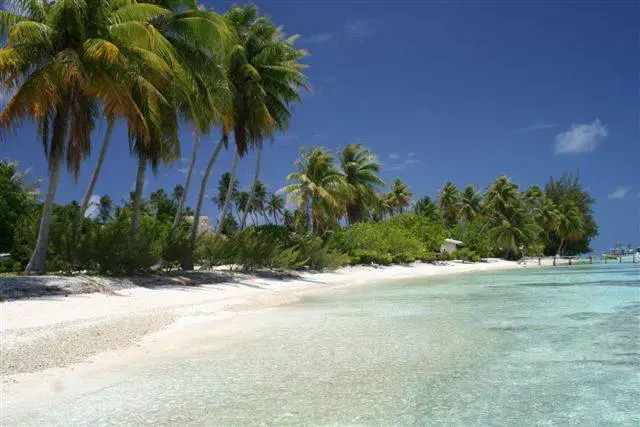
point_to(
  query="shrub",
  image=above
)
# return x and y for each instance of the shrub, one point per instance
(367, 256)
(428, 257)
(403, 258)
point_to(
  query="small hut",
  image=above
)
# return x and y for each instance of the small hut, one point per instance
(450, 245)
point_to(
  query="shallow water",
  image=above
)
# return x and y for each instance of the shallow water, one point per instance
(557, 346)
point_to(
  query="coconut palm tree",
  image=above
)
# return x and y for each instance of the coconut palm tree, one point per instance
(318, 188)
(513, 230)
(501, 196)
(276, 61)
(570, 223)
(275, 206)
(428, 208)
(105, 206)
(469, 204)
(449, 199)
(60, 60)
(360, 169)
(547, 217)
(399, 197)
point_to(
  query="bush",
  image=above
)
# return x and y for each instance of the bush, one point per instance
(475, 236)
(403, 258)
(465, 254)
(404, 238)
(368, 256)
(445, 256)
(428, 257)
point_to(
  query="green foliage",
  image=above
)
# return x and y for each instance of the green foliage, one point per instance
(465, 254)
(476, 237)
(401, 238)
(16, 201)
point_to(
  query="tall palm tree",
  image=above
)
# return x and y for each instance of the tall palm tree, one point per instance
(318, 188)
(275, 206)
(360, 168)
(470, 204)
(61, 60)
(177, 193)
(105, 206)
(265, 74)
(276, 61)
(448, 199)
(513, 230)
(399, 197)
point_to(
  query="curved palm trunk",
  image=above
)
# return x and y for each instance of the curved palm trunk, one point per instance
(96, 172)
(38, 261)
(227, 201)
(137, 197)
(187, 263)
(252, 196)
(196, 143)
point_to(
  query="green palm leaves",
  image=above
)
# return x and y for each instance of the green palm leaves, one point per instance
(360, 169)
(317, 187)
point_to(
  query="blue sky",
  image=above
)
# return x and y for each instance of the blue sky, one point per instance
(442, 91)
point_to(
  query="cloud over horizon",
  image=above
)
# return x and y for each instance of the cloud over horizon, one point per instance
(619, 193)
(580, 138)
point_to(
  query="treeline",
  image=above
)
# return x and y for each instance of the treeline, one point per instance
(339, 214)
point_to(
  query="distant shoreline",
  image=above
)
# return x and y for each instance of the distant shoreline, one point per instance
(45, 340)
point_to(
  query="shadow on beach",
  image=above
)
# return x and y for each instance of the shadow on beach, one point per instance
(23, 287)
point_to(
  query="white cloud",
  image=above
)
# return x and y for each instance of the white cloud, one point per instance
(394, 156)
(318, 38)
(403, 165)
(359, 28)
(94, 207)
(580, 138)
(619, 193)
(539, 125)
(183, 171)
(318, 135)
(329, 79)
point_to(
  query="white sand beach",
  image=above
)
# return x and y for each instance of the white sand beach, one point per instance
(57, 340)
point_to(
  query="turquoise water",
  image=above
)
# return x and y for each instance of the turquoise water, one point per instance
(556, 346)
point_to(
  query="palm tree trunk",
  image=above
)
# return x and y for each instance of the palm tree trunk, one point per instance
(187, 263)
(38, 261)
(253, 188)
(196, 143)
(137, 197)
(227, 201)
(96, 172)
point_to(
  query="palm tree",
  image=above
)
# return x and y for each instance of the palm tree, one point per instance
(60, 60)
(570, 223)
(275, 206)
(360, 168)
(265, 75)
(448, 199)
(501, 196)
(276, 61)
(177, 193)
(399, 197)
(428, 208)
(96, 171)
(547, 217)
(470, 204)
(105, 206)
(533, 197)
(318, 188)
(513, 230)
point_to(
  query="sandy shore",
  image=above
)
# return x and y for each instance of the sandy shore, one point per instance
(44, 339)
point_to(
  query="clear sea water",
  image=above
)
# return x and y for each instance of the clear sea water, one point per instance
(556, 346)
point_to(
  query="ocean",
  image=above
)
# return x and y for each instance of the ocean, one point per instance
(526, 347)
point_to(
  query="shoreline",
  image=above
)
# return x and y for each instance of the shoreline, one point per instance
(55, 340)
